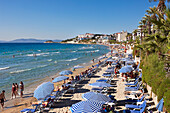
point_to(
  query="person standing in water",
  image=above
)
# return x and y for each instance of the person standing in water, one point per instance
(16, 91)
(13, 91)
(2, 99)
(21, 85)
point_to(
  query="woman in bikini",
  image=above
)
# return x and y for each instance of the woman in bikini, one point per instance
(13, 90)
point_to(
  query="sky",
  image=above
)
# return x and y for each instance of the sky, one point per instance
(64, 19)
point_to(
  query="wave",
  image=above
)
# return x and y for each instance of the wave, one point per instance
(19, 71)
(4, 68)
(42, 66)
(55, 52)
(49, 60)
(37, 54)
(71, 59)
(73, 51)
(90, 51)
(86, 47)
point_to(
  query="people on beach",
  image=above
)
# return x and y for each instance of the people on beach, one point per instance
(16, 91)
(21, 85)
(13, 91)
(2, 99)
(116, 71)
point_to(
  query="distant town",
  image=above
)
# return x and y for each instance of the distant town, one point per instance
(90, 38)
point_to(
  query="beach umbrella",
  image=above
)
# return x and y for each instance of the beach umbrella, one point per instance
(159, 107)
(43, 90)
(60, 78)
(76, 67)
(125, 69)
(66, 72)
(96, 97)
(86, 107)
(100, 84)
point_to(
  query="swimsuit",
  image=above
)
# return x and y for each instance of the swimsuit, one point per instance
(2, 100)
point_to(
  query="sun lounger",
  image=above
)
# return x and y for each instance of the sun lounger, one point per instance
(132, 84)
(27, 110)
(132, 88)
(136, 106)
(135, 100)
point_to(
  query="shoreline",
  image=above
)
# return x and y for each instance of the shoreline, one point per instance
(15, 105)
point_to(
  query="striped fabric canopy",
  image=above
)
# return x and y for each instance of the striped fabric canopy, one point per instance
(96, 97)
(86, 107)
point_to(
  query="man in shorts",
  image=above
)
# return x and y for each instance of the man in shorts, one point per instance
(2, 99)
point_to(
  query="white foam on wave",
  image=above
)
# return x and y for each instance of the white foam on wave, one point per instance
(4, 68)
(49, 60)
(71, 59)
(42, 66)
(37, 54)
(55, 52)
(74, 51)
(19, 71)
(90, 51)
(55, 62)
(86, 47)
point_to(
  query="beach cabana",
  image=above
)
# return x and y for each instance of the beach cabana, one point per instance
(43, 90)
(96, 97)
(100, 84)
(86, 107)
(60, 78)
(66, 72)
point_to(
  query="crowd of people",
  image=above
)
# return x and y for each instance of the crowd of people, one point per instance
(15, 89)
(14, 93)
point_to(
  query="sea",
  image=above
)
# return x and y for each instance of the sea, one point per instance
(30, 62)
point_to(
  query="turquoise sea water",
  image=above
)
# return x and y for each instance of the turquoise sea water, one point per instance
(29, 62)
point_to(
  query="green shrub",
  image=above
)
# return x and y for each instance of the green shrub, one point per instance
(154, 75)
(167, 100)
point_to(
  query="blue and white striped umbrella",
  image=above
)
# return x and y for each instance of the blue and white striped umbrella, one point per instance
(86, 107)
(60, 78)
(76, 67)
(100, 84)
(96, 97)
(160, 105)
(43, 90)
(66, 72)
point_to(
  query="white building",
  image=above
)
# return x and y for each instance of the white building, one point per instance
(121, 36)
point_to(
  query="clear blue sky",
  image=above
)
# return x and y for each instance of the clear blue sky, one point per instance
(62, 19)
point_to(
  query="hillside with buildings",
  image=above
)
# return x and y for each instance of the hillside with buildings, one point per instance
(100, 38)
